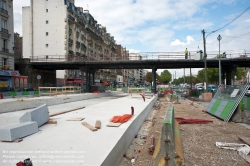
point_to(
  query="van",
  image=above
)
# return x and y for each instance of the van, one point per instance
(198, 84)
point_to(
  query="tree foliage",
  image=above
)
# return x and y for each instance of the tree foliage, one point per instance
(165, 77)
(213, 75)
(241, 73)
(148, 77)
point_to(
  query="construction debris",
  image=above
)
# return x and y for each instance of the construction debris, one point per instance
(244, 139)
(192, 121)
(89, 126)
(63, 112)
(98, 124)
(16, 141)
(75, 119)
(50, 121)
(111, 124)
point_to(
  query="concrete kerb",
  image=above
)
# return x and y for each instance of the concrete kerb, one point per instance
(116, 155)
(168, 150)
(29, 103)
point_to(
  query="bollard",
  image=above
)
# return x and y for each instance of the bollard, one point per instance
(132, 110)
(1, 96)
(143, 97)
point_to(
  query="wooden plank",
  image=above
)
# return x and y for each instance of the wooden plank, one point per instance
(111, 124)
(50, 121)
(16, 141)
(98, 124)
(63, 112)
(89, 126)
(244, 139)
(75, 119)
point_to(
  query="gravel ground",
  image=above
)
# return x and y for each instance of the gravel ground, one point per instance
(198, 139)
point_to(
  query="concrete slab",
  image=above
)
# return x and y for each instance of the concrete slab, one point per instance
(40, 115)
(13, 132)
(33, 102)
(69, 142)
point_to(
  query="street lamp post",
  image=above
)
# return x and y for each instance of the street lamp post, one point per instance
(205, 58)
(205, 55)
(219, 38)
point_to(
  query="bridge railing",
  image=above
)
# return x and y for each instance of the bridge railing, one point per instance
(142, 56)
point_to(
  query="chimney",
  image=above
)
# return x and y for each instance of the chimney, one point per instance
(86, 10)
(80, 8)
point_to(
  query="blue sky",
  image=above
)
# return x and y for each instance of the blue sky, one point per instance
(167, 25)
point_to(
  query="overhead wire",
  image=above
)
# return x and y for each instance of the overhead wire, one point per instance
(239, 36)
(232, 20)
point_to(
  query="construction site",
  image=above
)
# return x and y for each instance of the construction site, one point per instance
(126, 129)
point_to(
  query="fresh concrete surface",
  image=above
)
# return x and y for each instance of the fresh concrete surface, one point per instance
(72, 140)
(21, 103)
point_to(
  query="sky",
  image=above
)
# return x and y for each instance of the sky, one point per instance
(167, 25)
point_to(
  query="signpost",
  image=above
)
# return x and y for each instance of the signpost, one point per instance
(38, 79)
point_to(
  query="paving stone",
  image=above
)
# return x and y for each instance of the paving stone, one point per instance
(13, 132)
(39, 114)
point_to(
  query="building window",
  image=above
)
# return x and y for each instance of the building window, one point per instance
(47, 21)
(5, 61)
(4, 45)
(3, 24)
(47, 45)
(47, 33)
(3, 4)
(47, 10)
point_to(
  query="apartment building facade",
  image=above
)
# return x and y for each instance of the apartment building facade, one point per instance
(7, 44)
(59, 29)
(137, 73)
(18, 46)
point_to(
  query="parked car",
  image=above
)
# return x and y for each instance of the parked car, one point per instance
(193, 88)
(200, 88)
(212, 88)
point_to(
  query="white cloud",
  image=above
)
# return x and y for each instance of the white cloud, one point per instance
(133, 51)
(248, 20)
(163, 25)
(177, 42)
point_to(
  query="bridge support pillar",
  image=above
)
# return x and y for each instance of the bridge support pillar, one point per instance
(88, 80)
(93, 77)
(229, 77)
(82, 78)
(154, 69)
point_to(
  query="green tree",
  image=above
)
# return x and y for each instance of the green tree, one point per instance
(213, 75)
(148, 77)
(165, 77)
(241, 73)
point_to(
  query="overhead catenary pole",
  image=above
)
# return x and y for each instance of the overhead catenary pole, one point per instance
(219, 38)
(205, 58)
(190, 78)
(184, 75)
